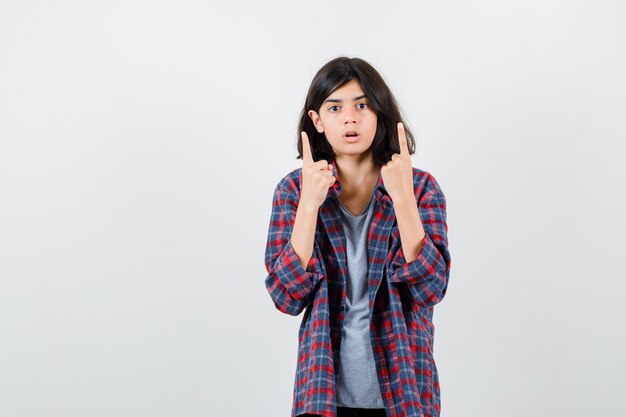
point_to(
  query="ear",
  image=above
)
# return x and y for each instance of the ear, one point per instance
(317, 121)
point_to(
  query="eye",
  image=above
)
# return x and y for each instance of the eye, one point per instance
(365, 104)
(331, 107)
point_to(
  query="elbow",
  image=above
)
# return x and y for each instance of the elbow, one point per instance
(434, 292)
(292, 309)
(282, 299)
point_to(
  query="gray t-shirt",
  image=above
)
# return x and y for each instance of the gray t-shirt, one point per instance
(357, 383)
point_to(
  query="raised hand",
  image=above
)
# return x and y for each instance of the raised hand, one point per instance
(398, 172)
(317, 177)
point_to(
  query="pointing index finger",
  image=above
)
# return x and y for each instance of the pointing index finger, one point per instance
(404, 147)
(307, 156)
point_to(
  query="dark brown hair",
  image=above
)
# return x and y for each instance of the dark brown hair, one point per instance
(332, 76)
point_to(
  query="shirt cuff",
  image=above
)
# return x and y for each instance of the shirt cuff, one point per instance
(296, 280)
(421, 267)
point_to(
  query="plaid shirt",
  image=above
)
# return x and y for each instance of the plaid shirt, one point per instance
(401, 296)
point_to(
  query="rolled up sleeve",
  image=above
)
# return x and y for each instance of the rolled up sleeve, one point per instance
(427, 276)
(290, 286)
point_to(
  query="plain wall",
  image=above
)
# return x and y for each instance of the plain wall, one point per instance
(140, 144)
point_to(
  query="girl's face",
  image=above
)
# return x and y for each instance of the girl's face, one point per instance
(344, 112)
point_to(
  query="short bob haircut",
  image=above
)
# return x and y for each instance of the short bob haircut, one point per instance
(332, 76)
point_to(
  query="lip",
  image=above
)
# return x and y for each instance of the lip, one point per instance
(351, 139)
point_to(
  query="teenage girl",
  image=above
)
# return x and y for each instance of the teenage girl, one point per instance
(358, 238)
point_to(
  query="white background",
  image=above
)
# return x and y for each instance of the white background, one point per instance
(141, 141)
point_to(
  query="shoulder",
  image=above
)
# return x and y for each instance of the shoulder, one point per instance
(290, 183)
(424, 183)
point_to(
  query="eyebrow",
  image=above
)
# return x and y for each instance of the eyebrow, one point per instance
(335, 100)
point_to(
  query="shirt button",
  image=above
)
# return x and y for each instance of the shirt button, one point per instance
(342, 308)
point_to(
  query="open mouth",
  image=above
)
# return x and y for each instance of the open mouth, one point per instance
(351, 134)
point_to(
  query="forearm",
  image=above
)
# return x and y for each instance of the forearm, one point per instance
(303, 234)
(410, 227)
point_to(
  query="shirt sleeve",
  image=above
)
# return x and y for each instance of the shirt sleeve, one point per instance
(290, 286)
(428, 275)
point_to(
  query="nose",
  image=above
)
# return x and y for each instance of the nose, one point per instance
(350, 116)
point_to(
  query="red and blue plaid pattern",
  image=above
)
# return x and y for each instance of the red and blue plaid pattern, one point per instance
(401, 295)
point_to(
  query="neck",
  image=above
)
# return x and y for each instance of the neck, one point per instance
(356, 171)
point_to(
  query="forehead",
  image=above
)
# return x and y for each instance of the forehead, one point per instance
(351, 91)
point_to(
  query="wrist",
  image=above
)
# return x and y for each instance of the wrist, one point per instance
(307, 206)
(404, 200)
